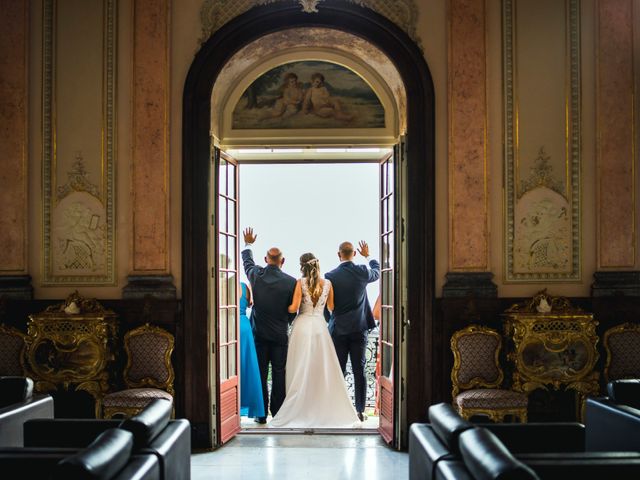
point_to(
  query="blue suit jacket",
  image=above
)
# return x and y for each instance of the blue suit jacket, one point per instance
(272, 295)
(352, 312)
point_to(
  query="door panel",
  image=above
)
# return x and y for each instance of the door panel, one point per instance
(387, 299)
(226, 311)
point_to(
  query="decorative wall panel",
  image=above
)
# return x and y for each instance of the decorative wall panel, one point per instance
(150, 137)
(215, 13)
(14, 84)
(541, 53)
(468, 196)
(616, 134)
(78, 141)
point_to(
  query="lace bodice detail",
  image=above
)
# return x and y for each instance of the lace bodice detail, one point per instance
(306, 306)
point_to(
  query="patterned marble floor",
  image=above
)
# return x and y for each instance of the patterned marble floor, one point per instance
(307, 457)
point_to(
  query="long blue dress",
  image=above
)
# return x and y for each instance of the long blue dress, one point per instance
(251, 402)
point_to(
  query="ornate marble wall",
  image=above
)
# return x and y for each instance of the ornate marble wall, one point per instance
(150, 157)
(617, 135)
(468, 169)
(14, 141)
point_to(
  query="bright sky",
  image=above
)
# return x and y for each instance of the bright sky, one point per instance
(313, 208)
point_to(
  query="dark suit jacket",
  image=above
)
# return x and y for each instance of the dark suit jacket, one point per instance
(352, 312)
(272, 295)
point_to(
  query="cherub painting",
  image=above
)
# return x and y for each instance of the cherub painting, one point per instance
(308, 94)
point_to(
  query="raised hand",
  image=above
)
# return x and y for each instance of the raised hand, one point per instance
(249, 236)
(364, 248)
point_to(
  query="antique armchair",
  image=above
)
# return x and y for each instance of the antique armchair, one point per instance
(148, 374)
(12, 348)
(477, 376)
(622, 344)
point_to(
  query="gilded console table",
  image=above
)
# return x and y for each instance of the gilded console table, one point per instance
(553, 346)
(70, 346)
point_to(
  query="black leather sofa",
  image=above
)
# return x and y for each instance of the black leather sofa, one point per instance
(450, 447)
(17, 405)
(152, 433)
(614, 421)
(109, 457)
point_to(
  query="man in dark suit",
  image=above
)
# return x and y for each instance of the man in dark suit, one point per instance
(270, 318)
(351, 318)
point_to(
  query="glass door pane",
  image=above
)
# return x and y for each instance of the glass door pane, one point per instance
(228, 394)
(387, 298)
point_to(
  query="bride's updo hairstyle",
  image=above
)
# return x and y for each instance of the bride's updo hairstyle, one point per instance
(310, 268)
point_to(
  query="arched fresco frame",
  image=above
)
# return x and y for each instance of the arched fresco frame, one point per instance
(344, 134)
(196, 169)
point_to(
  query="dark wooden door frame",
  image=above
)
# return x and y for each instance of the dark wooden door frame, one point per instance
(196, 169)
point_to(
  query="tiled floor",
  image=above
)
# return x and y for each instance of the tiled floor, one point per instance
(302, 457)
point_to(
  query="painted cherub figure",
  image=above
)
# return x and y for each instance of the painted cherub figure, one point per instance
(290, 102)
(318, 100)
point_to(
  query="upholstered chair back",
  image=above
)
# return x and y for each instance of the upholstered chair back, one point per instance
(622, 344)
(476, 377)
(476, 351)
(149, 351)
(12, 347)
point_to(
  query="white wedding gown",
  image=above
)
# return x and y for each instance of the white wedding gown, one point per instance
(316, 391)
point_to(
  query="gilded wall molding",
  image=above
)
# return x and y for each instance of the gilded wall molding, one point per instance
(215, 13)
(78, 168)
(616, 135)
(542, 146)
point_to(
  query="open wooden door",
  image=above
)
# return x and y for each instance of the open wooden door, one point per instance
(387, 297)
(227, 356)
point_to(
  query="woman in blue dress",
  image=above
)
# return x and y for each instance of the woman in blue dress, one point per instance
(251, 401)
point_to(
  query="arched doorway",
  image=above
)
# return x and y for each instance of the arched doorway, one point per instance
(196, 170)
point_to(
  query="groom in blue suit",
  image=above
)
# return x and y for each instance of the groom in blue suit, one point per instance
(352, 318)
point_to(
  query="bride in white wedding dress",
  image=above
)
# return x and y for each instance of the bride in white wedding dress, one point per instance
(316, 395)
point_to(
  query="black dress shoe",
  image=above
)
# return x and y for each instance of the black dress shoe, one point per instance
(362, 417)
(260, 420)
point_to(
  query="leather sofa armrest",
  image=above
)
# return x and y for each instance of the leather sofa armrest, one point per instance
(618, 469)
(172, 446)
(104, 458)
(12, 418)
(148, 424)
(448, 425)
(539, 437)
(452, 470)
(65, 432)
(15, 390)
(488, 459)
(625, 392)
(611, 427)
(141, 467)
(425, 452)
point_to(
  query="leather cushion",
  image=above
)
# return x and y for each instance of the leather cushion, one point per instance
(146, 425)
(489, 459)
(448, 425)
(102, 459)
(625, 392)
(15, 390)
